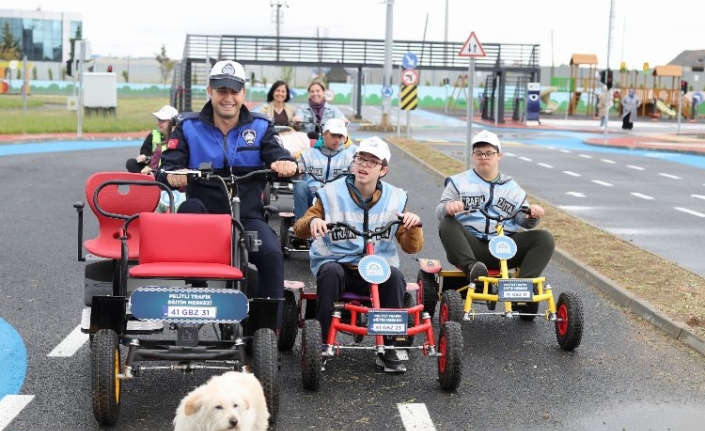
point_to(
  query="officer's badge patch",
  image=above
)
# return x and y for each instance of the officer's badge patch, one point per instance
(279, 140)
(172, 143)
(249, 136)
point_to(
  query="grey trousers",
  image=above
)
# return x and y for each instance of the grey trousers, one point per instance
(534, 248)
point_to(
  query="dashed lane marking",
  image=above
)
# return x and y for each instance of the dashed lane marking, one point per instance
(571, 173)
(688, 211)
(415, 417)
(70, 345)
(639, 195)
(638, 168)
(11, 406)
(673, 177)
(603, 183)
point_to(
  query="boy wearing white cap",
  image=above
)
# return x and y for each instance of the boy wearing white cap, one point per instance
(155, 138)
(324, 162)
(466, 235)
(364, 201)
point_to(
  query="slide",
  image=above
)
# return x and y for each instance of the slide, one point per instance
(665, 109)
(545, 96)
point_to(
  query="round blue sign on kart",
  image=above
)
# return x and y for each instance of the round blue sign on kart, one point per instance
(374, 269)
(503, 247)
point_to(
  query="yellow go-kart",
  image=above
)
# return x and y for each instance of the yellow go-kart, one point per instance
(518, 297)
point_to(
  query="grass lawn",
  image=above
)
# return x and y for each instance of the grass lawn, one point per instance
(48, 114)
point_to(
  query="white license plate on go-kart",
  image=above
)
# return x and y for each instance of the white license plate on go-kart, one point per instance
(515, 290)
(387, 322)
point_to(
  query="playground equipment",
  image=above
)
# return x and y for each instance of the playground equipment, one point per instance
(459, 88)
(583, 81)
(661, 97)
(545, 96)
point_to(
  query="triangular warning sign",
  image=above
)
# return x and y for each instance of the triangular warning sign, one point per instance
(472, 48)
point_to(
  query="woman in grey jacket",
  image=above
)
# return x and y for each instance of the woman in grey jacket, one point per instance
(317, 111)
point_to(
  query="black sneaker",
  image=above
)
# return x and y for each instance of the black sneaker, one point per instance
(478, 270)
(390, 362)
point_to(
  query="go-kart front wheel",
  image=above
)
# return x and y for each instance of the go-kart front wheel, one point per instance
(290, 322)
(311, 358)
(450, 348)
(409, 301)
(451, 309)
(105, 385)
(569, 322)
(265, 362)
(284, 225)
(428, 291)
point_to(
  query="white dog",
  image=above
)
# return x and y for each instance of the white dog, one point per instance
(231, 401)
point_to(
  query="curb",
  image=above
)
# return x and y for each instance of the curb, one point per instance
(622, 296)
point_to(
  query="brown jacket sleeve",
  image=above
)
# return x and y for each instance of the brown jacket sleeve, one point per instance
(412, 240)
(302, 228)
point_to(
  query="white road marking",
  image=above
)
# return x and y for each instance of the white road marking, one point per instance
(691, 212)
(585, 156)
(70, 345)
(697, 196)
(545, 165)
(612, 162)
(602, 183)
(574, 208)
(11, 406)
(526, 159)
(639, 195)
(674, 177)
(572, 174)
(576, 194)
(638, 168)
(415, 417)
(566, 151)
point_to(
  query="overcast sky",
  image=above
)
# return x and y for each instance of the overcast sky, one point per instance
(643, 30)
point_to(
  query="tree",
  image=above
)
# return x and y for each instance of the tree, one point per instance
(288, 74)
(10, 47)
(51, 74)
(166, 65)
(125, 76)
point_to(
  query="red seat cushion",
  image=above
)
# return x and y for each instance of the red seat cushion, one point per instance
(185, 246)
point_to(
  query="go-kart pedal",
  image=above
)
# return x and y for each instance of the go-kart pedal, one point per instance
(391, 362)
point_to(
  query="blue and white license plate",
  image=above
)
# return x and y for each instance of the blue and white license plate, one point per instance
(192, 305)
(515, 290)
(387, 322)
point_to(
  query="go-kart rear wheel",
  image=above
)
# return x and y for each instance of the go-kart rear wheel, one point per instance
(569, 323)
(428, 292)
(265, 362)
(105, 385)
(450, 348)
(451, 309)
(290, 322)
(409, 301)
(529, 308)
(311, 358)
(284, 225)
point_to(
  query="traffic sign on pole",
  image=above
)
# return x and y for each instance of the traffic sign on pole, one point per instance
(409, 77)
(387, 91)
(409, 61)
(472, 48)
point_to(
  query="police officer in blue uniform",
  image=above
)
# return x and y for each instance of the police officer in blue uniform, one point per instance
(226, 134)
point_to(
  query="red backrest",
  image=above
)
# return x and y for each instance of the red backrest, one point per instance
(124, 200)
(187, 238)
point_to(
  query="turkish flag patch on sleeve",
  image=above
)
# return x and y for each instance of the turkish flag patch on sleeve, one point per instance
(172, 143)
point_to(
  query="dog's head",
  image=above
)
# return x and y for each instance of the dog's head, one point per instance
(219, 410)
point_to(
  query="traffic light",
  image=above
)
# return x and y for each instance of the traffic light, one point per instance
(684, 86)
(609, 80)
(603, 77)
(69, 69)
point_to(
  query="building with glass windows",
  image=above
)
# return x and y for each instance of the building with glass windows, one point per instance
(43, 36)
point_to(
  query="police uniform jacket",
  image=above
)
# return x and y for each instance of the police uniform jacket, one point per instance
(251, 145)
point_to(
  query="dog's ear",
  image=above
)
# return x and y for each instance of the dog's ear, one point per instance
(193, 403)
(246, 403)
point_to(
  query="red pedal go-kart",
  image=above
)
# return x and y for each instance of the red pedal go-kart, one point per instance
(135, 286)
(519, 297)
(362, 316)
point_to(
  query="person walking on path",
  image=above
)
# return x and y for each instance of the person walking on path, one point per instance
(629, 105)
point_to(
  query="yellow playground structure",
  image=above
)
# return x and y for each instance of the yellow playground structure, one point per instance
(583, 78)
